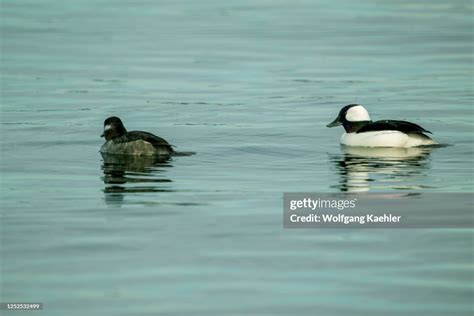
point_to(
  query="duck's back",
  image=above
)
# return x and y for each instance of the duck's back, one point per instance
(393, 125)
(137, 143)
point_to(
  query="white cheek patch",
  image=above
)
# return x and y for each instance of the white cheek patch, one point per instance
(357, 113)
(107, 127)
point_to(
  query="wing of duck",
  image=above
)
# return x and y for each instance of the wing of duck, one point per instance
(393, 125)
(148, 137)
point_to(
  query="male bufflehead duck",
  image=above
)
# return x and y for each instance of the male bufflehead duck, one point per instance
(119, 141)
(362, 131)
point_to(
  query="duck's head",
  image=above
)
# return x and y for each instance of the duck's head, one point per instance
(351, 117)
(113, 127)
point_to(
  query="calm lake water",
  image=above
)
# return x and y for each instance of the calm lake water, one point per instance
(249, 86)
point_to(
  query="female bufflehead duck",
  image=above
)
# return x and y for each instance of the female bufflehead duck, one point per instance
(362, 131)
(137, 143)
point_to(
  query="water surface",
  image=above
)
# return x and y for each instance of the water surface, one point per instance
(249, 86)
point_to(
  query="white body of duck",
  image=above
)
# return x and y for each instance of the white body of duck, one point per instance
(385, 139)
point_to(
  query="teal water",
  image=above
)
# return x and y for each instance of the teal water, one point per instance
(249, 86)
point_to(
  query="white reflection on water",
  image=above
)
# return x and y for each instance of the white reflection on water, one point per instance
(364, 169)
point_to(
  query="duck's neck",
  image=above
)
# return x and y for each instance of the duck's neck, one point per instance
(353, 127)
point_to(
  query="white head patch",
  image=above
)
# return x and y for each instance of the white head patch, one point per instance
(107, 127)
(357, 113)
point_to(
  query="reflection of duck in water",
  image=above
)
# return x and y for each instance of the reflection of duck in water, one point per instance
(125, 174)
(362, 131)
(363, 168)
